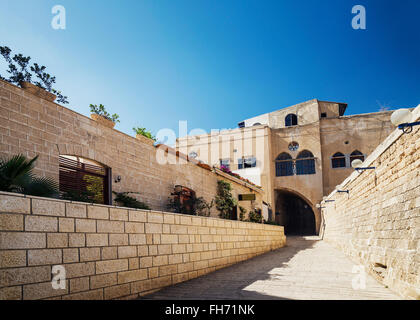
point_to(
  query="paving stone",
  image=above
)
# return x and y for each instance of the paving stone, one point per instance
(307, 268)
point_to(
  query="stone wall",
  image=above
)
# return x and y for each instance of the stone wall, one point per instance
(33, 126)
(378, 222)
(112, 252)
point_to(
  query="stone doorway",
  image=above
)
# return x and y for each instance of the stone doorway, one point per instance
(294, 213)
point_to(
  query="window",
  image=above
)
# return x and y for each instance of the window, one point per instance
(291, 120)
(305, 163)
(338, 160)
(356, 155)
(224, 163)
(284, 165)
(193, 155)
(244, 163)
(257, 124)
(323, 115)
(293, 146)
(81, 178)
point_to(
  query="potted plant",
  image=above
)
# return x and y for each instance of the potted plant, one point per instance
(102, 116)
(20, 75)
(144, 135)
(204, 165)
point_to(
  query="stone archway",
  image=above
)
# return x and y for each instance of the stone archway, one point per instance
(294, 213)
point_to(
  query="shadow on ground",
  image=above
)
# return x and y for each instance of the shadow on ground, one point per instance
(233, 282)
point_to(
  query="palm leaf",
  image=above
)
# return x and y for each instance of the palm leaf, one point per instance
(15, 171)
(41, 186)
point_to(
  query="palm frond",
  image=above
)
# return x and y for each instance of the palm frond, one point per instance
(41, 186)
(14, 171)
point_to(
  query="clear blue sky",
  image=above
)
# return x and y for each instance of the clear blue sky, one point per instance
(215, 63)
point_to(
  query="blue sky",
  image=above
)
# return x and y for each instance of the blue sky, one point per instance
(214, 63)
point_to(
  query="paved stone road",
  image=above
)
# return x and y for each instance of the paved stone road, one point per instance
(306, 268)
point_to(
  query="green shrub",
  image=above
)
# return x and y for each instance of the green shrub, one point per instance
(224, 200)
(275, 223)
(77, 195)
(255, 216)
(130, 202)
(194, 206)
(101, 111)
(202, 207)
(242, 213)
(144, 132)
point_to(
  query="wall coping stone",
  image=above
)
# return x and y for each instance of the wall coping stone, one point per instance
(256, 225)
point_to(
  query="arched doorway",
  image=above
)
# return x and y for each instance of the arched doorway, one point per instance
(294, 213)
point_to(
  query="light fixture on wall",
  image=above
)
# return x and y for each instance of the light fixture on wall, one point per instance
(117, 179)
(402, 118)
(341, 191)
(326, 200)
(357, 165)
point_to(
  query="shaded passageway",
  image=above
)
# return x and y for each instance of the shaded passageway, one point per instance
(294, 213)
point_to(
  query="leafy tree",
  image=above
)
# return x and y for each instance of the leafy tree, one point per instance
(18, 70)
(224, 200)
(101, 111)
(16, 175)
(17, 74)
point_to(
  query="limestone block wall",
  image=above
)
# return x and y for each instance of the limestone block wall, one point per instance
(33, 126)
(378, 222)
(112, 252)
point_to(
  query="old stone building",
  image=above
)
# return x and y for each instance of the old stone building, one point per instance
(297, 154)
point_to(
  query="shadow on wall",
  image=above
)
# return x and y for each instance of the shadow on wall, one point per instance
(232, 282)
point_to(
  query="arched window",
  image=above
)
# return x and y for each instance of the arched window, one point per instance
(82, 179)
(356, 155)
(305, 163)
(284, 165)
(338, 160)
(291, 120)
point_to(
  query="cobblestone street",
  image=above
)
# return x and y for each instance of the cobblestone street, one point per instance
(306, 268)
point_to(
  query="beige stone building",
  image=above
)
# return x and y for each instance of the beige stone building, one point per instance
(297, 154)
